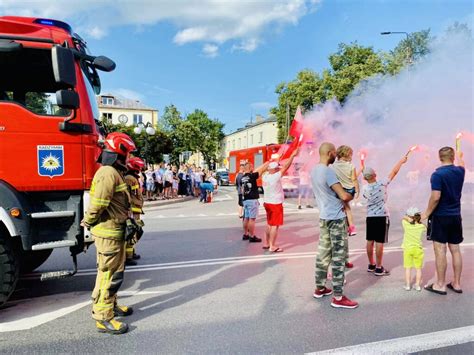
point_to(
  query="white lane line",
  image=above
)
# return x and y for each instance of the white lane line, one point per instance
(30, 313)
(221, 261)
(410, 344)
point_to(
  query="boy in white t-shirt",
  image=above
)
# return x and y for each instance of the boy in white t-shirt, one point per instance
(273, 197)
(378, 222)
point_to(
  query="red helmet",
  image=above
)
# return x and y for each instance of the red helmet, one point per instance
(135, 163)
(119, 143)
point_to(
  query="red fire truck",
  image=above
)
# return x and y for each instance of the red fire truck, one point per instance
(256, 155)
(49, 142)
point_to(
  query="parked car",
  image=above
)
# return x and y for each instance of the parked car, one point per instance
(222, 178)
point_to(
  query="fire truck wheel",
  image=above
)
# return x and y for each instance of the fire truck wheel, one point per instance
(30, 260)
(9, 269)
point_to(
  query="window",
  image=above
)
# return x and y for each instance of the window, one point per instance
(232, 165)
(240, 143)
(257, 159)
(27, 79)
(137, 118)
(107, 117)
(251, 139)
(107, 100)
(233, 144)
(260, 137)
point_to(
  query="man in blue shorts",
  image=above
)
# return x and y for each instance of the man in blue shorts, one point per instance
(445, 223)
(250, 195)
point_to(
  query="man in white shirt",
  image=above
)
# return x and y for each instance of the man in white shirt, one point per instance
(273, 197)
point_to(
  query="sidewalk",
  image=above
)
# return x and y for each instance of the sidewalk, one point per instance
(166, 202)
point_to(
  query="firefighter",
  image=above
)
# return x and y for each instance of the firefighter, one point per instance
(135, 166)
(108, 218)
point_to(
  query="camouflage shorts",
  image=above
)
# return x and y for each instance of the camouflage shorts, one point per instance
(332, 249)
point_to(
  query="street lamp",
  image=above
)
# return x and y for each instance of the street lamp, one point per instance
(409, 58)
(148, 128)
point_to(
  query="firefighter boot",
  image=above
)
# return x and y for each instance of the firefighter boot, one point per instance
(122, 311)
(130, 262)
(136, 256)
(112, 326)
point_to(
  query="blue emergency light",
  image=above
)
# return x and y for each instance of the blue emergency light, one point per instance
(54, 23)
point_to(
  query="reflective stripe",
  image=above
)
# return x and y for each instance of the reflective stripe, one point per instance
(136, 209)
(106, 232)
(100, 201)
(135, 187)
(121, 187)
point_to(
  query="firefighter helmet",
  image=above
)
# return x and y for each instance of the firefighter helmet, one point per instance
(135, 164)
(119, 143)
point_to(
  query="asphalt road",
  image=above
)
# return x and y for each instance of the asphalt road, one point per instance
(200, 289)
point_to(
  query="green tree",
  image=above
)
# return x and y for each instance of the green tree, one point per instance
(408, 51)
(306, 90)
(149, 147)
(349, 65)
(170, 119)
(206, 136)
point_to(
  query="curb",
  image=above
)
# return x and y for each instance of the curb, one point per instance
(149, 204)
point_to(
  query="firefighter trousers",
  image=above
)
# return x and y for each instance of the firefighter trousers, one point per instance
(110, 270)
(130, 248)
(130, 245)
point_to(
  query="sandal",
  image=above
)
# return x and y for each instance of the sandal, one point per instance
(450, 286)
(264, 247)
(431, 289)
(277, 250)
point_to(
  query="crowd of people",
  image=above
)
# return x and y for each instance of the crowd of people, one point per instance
(335, 182)
(116, 200)
(165, 181)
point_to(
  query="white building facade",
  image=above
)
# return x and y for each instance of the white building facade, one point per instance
(259, 133)
(119, 110)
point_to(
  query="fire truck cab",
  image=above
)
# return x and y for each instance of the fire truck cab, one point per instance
(49, 142)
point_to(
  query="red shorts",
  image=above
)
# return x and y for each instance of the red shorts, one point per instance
(274, 214)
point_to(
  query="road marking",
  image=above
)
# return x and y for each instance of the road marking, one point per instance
(30, 313)
(223, 261)
(410, 344)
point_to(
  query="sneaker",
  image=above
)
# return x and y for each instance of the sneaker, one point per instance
(320, 293)
(352, 231)
(407, 287)
(245, 237)
(417, 288)
(381, 272)
(122, 311)
(299, 207)
(344, 302)
(371, 268)
(309, 206)
(111, 327)
(254, 239)
(349, 265)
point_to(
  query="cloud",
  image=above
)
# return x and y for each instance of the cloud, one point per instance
(210, 50)
(243, 23)
(127, 93)
(261, 105)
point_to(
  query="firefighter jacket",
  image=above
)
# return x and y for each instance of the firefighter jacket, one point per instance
(135, 193)
(109, 205)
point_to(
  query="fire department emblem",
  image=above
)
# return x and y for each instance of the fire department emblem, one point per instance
(50, 160)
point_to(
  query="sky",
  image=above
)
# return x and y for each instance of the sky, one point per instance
(227, 56)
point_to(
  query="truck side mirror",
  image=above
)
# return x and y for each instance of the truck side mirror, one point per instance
(67, 99)
(63, 66)
(103, 63)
